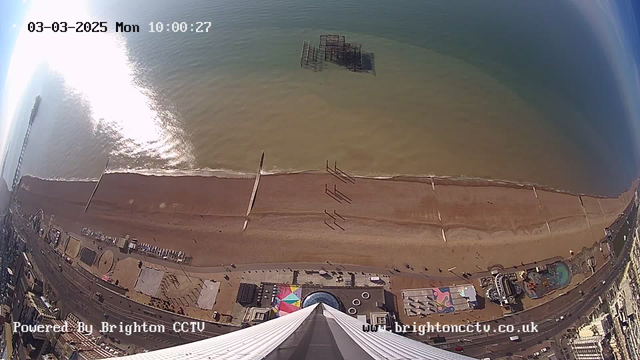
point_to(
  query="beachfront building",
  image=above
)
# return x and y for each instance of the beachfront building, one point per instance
(599, 326)
(588, 348)
(372, 302)
(430, 301)
(318, 331)
(623, 309)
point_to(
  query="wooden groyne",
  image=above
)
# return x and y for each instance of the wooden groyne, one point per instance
(541, 211)
(252, 200)
(96, 188)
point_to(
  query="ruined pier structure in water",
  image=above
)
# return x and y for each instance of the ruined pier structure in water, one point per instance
(334, 49)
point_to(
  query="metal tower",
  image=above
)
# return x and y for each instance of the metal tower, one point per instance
(315, 332)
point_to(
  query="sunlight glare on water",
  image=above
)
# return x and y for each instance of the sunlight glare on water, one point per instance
(96, 67)
(471, 89)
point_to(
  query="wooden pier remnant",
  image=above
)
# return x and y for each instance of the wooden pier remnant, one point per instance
(310, 57)
(334, 49)
(337, 50)
(96, 188)
(304, 55)
(252, 200)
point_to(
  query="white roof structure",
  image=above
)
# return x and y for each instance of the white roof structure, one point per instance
(318, 331)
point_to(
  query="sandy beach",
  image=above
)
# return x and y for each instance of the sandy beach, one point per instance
(386, 222)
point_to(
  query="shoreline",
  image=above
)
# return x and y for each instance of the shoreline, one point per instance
(454, 180)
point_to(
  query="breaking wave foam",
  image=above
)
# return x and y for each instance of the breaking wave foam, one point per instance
(228, 173)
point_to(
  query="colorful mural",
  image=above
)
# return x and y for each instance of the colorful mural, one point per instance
(287, 300)
(537, 285)
(442, 298)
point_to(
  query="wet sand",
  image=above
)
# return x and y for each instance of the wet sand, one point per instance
(386, 222)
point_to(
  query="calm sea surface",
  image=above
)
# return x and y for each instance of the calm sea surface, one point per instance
(501, 89)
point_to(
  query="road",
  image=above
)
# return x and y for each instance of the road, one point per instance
(572, 305)
(76, 293)
(79, 290)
